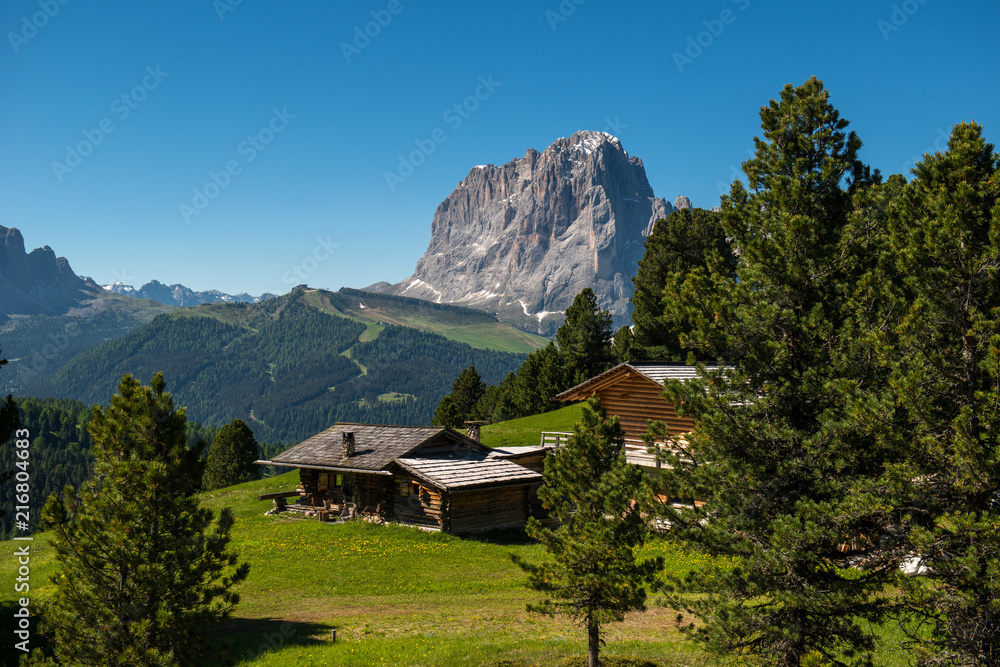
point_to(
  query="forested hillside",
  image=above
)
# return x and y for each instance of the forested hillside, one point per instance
(60, 451)
(37, 345)
(284, 366)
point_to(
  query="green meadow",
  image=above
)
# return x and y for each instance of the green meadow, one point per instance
(394, 595)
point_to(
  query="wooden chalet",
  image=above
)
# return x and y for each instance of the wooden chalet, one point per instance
(632, 392)
(433, 477)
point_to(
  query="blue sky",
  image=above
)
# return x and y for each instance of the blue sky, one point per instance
(286, 117)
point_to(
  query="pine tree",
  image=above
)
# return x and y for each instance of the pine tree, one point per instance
(683, 242)
(783, 451)
(231, 458)
(143, 573)
(946, 235)
(460, 405)
(584, 338)
(593, 492)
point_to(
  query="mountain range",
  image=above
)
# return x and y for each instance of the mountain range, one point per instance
(521, 240)
(179, 295)
(288, 365)
(515, 243)
(48, 314)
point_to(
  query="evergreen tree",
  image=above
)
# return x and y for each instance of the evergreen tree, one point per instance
(143, 574)
(592, 491)
(946, 234)
(231, 458)
(9, 422)
(624, 347)
(683, 242)
(542, 375)
(460, 405)
(783, 451)
(584, 338)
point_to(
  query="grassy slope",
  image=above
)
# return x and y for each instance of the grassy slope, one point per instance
(397, 596)
(464, 325)
(528, 430)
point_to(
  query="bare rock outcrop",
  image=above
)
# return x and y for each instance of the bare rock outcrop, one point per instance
(37, 283)
(521, 240)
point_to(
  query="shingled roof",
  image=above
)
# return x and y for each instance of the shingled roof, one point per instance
(375, 447)
(468, 473)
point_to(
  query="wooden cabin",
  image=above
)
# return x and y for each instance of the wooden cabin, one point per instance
(428, 476)
(632, 392)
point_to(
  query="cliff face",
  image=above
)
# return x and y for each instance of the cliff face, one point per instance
(37, 283)
(523, 239)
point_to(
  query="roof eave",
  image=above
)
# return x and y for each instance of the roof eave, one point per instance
(586, 388)
(313, 466)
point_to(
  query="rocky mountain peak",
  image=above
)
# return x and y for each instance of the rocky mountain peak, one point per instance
(37, 283)
(682, 202)
(522, 239)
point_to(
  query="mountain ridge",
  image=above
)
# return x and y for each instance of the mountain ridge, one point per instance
(179, 295)
(289, 366)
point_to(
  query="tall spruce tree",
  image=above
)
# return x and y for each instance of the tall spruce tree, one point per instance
(143, 576)
(460, 405)
(231, 458)
(683, 242)
(945, 230)
(592, 491)
(584, 338)
(782, 452)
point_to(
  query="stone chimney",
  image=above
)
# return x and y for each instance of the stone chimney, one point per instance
(347, 446)
(472, 429)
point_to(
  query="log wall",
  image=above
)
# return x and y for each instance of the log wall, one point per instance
(635, 400)
(484, 509)
(423, 505)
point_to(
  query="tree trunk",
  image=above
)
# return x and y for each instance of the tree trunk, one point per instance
(593, 642)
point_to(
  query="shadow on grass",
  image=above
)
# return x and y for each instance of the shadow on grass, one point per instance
(9, 654)
(503, 536)
(248, 638)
